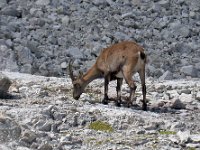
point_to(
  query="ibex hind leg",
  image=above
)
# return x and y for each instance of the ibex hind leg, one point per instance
(128, 71)
(142, 78)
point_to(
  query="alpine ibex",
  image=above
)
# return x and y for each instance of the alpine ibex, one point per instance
(116, 62)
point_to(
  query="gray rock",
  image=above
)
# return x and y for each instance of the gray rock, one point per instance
(63, 65)
(24, 55)
(177, 104)
(26, 68)
(195, 5)
(54, 26)
(45, 146)
(198, 96)
(7, 59)
(4, 147)
(45, 127)
(75, 52)
(65, 20)
(183, 31)
(9, 129)
(192, 145)
(183, 48)
(100, 3)
(11, 11)
(43, 2)
(189, 70)
(28, 137)
(186, 98)
(166, 76)
(183, 136)
(164, 3)
(23, 148)
(9, 43)
(4, 86)
(176, 126)
(3, 3)
(186, 91)
(195, 138)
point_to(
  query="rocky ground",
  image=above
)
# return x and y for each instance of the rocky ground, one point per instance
(41, 114)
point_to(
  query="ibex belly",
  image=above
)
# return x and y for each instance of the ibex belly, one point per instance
(119, 75)
(137, 67)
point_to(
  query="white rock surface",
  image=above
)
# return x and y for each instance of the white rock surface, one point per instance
(49, 118)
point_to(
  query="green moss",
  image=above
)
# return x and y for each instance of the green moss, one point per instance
(191, 148)
(101, 126)
(165, 132)
(91, 139)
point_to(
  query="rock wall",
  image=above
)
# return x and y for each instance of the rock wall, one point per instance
(40, 36)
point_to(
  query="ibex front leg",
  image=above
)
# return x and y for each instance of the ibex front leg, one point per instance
(118, 89)
(106, 82)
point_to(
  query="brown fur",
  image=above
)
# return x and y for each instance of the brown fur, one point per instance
(118, 61)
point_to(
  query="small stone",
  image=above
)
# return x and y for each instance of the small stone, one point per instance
(46, 127)
(63, 65)
(164, 3)
(195, 138)
(45, 146)
(183, 31)
(166, 76)
(198, 96)
(65, 20)
(140, 131)
(23, 148)
(24, 55)
(43, 2)
(26, 68)
(28, 137)
(75, 52)
(192, 145)
(185, 91)
(3, 3)
(177, 104)
(9, 42)
(160, 88)
(192, 14)
(9, 129)
(183, 136)
(11, 11)
(186, 98)
(189, 70)
(176, 126)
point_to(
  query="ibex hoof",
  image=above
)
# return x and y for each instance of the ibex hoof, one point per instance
(144, 107)
(105, 102)
(118, 104)
(129, 105)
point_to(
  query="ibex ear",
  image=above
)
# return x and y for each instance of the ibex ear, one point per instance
(80, 74)
(71, 70)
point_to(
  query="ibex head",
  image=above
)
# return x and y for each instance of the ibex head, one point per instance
(77, 82)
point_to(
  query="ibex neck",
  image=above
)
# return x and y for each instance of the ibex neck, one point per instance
(91, 74)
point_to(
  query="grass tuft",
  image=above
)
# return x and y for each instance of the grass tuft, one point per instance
(101, 126)
(165, 132)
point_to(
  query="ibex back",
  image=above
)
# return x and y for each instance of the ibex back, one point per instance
(117, 62)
